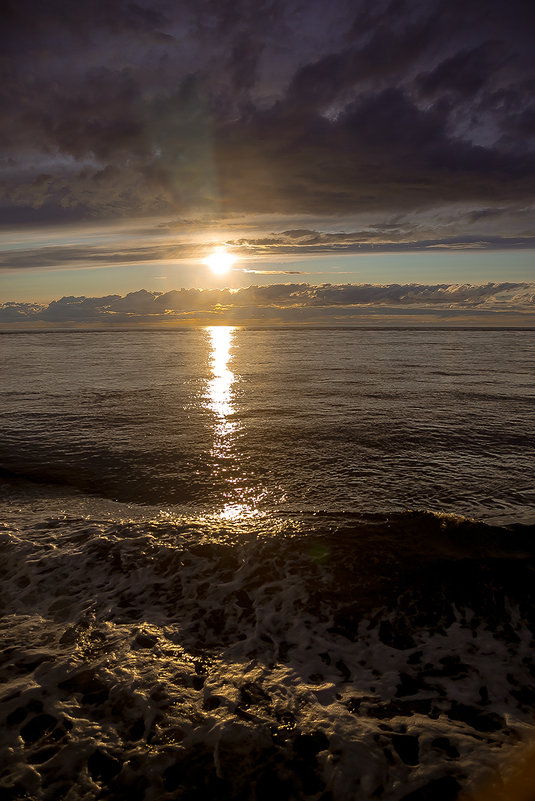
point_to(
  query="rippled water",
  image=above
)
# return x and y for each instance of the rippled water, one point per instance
(246, 564)
(245, 420)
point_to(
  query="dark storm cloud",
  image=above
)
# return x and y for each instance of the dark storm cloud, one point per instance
(382, 152)
(464, 73)
(155, 107)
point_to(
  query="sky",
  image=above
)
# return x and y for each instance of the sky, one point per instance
(341, 143)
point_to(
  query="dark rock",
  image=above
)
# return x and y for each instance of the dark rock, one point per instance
(407, 747)
(38, 727)
(444, 789)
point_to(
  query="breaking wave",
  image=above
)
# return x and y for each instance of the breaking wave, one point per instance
(316, 656)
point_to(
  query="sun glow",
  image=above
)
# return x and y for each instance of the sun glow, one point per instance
(220, 261)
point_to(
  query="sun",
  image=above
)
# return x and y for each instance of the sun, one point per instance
(220, 261)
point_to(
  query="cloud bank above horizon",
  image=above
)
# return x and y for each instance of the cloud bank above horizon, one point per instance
(500, 304)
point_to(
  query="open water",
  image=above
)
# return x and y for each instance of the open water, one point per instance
(256, 564)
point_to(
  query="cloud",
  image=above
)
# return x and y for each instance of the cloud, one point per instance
(369, 241)
(172, 242)
(274, 272)
(493, 303)
(272, 106)
(465, 73)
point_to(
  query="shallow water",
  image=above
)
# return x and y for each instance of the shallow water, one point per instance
(214, 580)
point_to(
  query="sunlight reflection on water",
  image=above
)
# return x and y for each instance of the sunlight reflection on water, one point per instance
(241, 500)
(220, 385)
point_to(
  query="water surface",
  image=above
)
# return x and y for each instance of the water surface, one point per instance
(244, 564)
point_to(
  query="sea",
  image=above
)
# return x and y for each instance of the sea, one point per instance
(262, 564)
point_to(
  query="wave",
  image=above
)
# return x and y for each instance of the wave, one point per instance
(417, 558)
(340, 656)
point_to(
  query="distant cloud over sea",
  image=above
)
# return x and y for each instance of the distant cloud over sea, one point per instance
(498, 304)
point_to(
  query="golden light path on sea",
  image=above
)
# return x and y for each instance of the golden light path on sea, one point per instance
(242, 498)
(220, 385)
